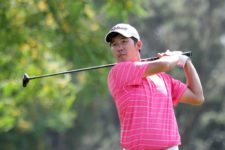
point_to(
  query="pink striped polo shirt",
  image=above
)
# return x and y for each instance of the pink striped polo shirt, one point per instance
(145, 106)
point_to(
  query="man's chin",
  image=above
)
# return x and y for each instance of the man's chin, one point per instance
(122, 60)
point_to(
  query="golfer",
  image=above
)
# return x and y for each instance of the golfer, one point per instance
(144, 94)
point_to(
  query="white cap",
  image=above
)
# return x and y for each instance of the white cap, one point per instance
(123, 29)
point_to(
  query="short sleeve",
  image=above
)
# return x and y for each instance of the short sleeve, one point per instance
(125, 74)
(178, 89)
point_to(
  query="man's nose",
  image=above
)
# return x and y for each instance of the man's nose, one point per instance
(120, 47)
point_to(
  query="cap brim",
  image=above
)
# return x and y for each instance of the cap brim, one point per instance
(112, 34)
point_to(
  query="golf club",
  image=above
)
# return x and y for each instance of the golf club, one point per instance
(26, 78)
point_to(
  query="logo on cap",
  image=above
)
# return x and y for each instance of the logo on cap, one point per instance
(123, 29)
(118, 28)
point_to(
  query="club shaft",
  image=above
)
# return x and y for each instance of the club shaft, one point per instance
(72, 71)
(188, 53)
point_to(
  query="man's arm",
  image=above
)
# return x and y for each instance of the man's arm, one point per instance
(163, 64)
(194, 93)
(168, 60)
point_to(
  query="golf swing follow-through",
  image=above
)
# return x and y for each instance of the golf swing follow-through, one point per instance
(26, 77)
(143, 93)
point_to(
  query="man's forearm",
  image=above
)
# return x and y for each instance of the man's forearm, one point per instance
(193, 80)
(163, 64)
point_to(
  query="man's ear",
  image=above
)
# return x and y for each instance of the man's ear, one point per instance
(139, 44)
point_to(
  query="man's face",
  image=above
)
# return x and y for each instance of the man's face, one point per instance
(124, 49)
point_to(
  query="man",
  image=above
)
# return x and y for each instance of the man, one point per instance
(145, 95)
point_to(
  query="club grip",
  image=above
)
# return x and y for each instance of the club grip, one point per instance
(187, 53)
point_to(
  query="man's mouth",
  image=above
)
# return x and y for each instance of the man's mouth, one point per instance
(121, 55)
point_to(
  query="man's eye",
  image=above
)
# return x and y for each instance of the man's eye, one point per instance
(113, 44)
(125, 41)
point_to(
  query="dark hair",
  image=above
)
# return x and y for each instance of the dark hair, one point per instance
(112, 35)
(135, 42)
(134, 39)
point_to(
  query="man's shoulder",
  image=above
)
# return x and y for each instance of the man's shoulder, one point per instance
(122, 65)
(129, 63)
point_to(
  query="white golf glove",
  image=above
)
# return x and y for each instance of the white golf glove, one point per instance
(182, 60)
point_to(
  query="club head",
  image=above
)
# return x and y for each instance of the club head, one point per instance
(26, 79)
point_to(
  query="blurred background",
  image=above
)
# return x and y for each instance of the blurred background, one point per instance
(76, 111)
